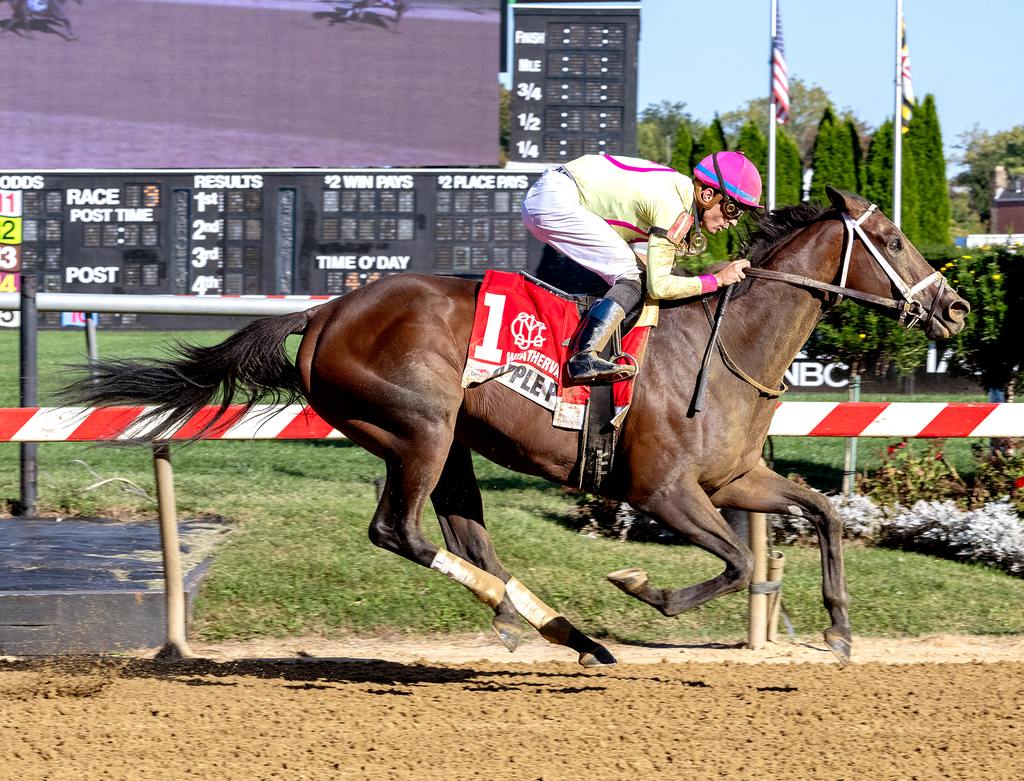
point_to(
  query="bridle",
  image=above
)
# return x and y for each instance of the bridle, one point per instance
(910, 310)
(908, 307)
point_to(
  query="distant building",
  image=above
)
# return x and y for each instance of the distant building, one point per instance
(1007, 202)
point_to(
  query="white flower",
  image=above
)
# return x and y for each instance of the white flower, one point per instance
(993, 534)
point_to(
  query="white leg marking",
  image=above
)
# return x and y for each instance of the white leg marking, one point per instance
(532, 609)
(487, 588)
(794, 510)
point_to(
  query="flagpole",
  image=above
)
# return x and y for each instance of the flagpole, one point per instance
(772, 107)
(897, 125)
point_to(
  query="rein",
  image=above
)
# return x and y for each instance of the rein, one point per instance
(799, 281)
(909, 306)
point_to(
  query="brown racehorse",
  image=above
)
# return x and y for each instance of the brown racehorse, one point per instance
(384, 365)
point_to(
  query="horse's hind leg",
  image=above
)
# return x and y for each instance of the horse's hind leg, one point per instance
(686, 509)
(459, 509)
(460, 512)
(412, 474)
(762, 490)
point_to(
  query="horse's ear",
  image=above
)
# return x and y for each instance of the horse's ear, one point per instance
(850, 203)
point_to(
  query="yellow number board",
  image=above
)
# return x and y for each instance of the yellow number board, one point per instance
(10, 230)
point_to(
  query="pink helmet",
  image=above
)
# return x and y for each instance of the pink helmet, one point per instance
(742, 181)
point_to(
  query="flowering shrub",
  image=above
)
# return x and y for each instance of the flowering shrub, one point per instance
(913, 473)
(988, 347)
(992, 534)
(1000, 474)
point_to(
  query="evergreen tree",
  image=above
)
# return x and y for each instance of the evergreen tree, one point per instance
(753, 144)
(821, 160)
(682, 151)
(930, 164)
(832, 160)
(858, 175)
(878, 169)
(910, 200)
(878, 182)
(711, 140)
(789, 171)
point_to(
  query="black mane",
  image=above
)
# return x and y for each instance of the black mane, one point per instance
(767, 230)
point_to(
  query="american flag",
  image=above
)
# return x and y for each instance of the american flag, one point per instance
(780, 76)
(908, 88)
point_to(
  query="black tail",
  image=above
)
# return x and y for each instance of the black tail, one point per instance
(251, 362)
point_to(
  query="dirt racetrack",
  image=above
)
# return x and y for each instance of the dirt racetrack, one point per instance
(305, 717)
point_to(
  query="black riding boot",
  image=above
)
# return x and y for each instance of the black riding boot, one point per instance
(592, 336)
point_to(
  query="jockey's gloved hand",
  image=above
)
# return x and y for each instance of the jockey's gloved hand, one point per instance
(732, 273)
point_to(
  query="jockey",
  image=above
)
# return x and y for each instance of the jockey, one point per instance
(595, 207)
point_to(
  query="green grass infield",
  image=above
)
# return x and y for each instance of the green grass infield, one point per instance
(299, 561)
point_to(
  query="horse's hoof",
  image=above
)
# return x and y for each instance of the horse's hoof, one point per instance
(598, 656)
(508, 630)
(839, 645)
(631, 580)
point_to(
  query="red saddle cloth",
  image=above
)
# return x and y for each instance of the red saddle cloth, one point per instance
(519, 335)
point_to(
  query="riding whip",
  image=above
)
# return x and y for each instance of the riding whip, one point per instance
(702, 378)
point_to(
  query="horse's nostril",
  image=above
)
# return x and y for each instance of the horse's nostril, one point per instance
(958, 310)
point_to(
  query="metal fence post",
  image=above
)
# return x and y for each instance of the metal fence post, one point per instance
(91, 342)
(28, 339)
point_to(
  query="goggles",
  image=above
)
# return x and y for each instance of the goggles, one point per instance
(731, 210)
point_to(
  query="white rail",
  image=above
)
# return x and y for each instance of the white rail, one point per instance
(239, 306)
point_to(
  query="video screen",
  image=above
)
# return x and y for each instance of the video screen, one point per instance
(248, 83)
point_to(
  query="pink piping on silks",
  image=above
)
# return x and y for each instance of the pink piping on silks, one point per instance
(626, 167)
(628, 225)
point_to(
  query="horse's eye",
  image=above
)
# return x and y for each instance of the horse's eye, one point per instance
(895, 245)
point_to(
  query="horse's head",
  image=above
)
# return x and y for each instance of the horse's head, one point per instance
(880, 261)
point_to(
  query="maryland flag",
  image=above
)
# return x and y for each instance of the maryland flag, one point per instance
(907, 110)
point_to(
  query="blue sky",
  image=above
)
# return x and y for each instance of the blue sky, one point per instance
(966, 54)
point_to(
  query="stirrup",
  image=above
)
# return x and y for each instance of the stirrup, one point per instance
(587, 368)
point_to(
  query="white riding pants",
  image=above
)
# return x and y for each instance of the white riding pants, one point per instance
(553, 213)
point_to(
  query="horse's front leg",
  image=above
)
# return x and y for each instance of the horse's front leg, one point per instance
(685, 509)
(762, 490)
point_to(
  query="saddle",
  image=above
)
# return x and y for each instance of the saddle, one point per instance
(520, 333)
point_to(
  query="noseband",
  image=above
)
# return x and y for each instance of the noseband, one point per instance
(910, 310)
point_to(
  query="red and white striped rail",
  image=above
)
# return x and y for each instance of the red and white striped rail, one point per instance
(897, 419)
(296, 421)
